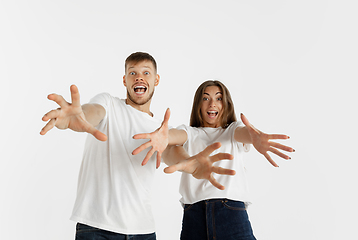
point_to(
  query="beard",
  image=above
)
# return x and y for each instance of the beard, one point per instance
(140, 101)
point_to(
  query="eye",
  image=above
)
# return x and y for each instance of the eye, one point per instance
(219, 98)
(132, 73)
(146, 73)
(205, 99)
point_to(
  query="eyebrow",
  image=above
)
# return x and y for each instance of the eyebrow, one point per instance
(143, 67)
(215, 93)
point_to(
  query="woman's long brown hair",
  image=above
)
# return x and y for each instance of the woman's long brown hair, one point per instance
(228, 111)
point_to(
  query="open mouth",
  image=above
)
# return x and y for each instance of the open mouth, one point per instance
(212, 114)
(140, 89)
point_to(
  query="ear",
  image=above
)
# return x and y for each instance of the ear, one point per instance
(157, 80)
(124, 81)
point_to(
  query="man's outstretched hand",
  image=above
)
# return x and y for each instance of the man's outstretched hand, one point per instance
(262, 143)
(69, 115)
(158, 141)
(201, 165)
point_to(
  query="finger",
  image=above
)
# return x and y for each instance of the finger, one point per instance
(48, 126)
(148, 156)
(141, 136)
(95, 132)
(282, 147)
(100, 136)
(166, 117)
(174, 168)
(221, 156)
(51, 114)
(278, 136)
(267, 156)
(58, 99)
(246, 122)
(141, 148)
(159, 159)
(211, 148)
(223, 171)
(278, 153)
(75, 96)
(215, 183)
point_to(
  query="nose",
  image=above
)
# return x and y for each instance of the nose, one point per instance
(139, 78)
(212, 103)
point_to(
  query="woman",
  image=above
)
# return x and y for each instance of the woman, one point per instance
(212, 211)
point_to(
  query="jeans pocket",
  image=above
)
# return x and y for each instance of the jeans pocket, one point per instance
(234, 205)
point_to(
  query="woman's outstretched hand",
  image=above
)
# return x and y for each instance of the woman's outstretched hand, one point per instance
(263, 144)
(201, 165)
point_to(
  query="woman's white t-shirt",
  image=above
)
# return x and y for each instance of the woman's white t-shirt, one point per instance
(113, 187)
(236, 188)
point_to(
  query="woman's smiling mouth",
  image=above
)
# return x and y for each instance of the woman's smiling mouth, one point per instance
(212, 114)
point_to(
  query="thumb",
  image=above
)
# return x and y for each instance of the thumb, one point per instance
(100, 136)
(166, 117)
(97, 134)
(174, 168)
(170, 169)
(245, 120)
(252, 129)
(211, 148)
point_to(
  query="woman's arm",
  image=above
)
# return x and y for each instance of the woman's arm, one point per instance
(242, 135)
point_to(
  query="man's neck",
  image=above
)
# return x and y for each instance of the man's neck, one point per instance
(143, 108)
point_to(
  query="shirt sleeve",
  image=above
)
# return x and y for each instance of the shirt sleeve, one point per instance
(102, 99)
(187, 130)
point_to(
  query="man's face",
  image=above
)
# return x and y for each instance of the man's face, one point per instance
(140, 80)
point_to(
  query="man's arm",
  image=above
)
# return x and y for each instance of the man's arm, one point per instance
(200, 165)
(74, 116)
(94, 113)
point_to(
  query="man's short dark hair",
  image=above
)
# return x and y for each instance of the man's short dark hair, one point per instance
(139, 57)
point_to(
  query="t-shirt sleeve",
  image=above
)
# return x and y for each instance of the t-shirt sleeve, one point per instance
(102, 99)
(188, 131)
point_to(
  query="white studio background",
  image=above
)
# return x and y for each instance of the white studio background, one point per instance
(290, 67)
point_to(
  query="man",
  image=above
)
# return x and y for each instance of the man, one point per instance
(113, 196)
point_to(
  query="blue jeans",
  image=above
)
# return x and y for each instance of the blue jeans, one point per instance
(219, 219)
(84, 232)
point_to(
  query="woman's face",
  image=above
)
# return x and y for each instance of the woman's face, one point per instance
(211, 107)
